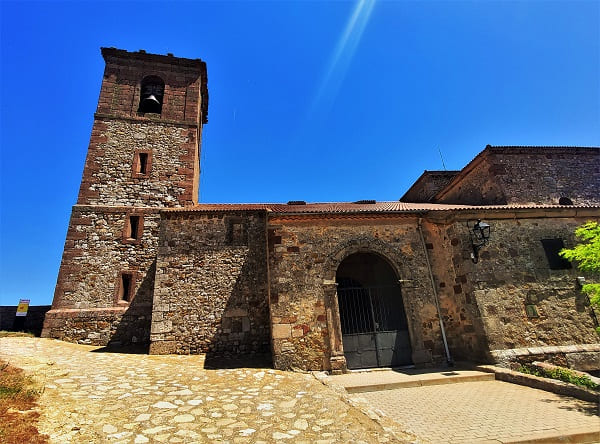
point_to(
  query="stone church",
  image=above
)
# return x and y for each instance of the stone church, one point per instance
(464, 266)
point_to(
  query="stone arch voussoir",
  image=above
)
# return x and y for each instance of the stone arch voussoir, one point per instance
(364, 244)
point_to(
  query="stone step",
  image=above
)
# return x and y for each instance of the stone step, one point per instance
(590, 436)
(368, 381)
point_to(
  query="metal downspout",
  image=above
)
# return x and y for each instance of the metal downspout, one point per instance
(435, 296)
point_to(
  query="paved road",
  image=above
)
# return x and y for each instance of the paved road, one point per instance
(128, 398)
(93, 397)
(489, 411)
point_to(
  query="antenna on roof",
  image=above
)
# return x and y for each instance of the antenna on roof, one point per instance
(442, 157)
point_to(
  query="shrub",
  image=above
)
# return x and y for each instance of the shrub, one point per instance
(562, 374)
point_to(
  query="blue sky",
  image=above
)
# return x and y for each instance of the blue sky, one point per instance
(318, 101)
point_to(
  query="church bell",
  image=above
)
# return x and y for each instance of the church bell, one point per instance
(152, 95)
(150, 102)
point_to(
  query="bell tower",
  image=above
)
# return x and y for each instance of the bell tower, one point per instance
(143, 155)
(145, 144)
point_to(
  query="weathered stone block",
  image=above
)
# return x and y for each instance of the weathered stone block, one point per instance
(235, 312)
(584, 361)
(161, 327)
(163, 347)
(280, 331)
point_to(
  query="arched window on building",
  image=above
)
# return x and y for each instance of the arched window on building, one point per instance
(152, 93)
(565, 201)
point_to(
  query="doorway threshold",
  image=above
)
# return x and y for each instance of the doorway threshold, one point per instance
(388, 379)
(381, 369)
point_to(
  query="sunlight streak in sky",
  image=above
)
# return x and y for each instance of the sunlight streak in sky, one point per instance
(342, 56)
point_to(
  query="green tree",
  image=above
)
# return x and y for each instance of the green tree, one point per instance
(587, 255)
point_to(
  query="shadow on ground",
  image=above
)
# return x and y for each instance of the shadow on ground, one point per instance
(585, 409)
(256, 360)
(127, 349)
(444, 369)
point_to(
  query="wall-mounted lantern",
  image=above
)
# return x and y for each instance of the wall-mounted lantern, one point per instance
(480, 235)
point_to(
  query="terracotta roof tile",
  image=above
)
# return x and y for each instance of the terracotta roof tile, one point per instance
(349, 207)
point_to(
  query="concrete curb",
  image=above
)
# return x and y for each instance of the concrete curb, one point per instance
(549, 385)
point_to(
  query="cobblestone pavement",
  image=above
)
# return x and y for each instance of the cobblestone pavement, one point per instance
(488, 411)
(129, 398)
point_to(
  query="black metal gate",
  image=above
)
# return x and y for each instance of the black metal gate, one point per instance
(374, 327)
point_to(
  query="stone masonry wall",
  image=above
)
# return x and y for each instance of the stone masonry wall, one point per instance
(543, 178)
(510, 175)
(513, 272)
(460, 313)
(428, 185)
(109, 177)
(85, 306)
(211, 284)
(304, 253)
(479, 187)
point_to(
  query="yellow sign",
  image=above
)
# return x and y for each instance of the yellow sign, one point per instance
(22, 307)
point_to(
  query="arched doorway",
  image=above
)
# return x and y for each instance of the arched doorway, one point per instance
(372, 316)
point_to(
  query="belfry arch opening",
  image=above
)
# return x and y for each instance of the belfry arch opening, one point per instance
(152, 90)
(372, 317)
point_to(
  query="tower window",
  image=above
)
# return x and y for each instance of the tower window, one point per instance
(552, 247)
(133, 226)
(125, 287)
(133, 230)
(142, 163)
(151, 95)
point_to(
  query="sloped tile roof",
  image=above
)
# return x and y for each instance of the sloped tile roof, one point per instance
(350, 207)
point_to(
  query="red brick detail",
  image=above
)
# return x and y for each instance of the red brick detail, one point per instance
(142, 164)
(305, 328)
(122, 299)
(130, 237)
(121, 88)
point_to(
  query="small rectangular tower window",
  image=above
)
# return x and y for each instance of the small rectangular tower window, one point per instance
(134, 228)
(134, 222)
(552, 247)
(142, 163)
(125, 287)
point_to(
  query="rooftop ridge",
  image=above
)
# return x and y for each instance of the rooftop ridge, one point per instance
(544, 146)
